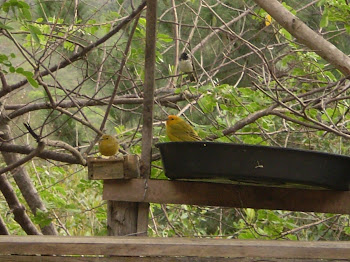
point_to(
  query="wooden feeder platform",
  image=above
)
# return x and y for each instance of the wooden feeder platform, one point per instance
(126, 191)
(122, 182)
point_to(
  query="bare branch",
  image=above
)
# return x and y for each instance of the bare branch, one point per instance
(25, 159)
(82, 53)
(306, 36)
(45, 154)
(17, 208)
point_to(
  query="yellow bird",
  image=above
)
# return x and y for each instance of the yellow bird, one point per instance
(268, 20)
(108, 145)
(178, 129)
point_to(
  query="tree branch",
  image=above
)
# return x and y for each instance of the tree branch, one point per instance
(25, 159)
(21, 109)
(3, 228)
(16, 207)
(45, 154)
(306, 35)
(82, 53)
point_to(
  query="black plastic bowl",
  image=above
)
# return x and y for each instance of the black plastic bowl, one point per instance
(258, 164)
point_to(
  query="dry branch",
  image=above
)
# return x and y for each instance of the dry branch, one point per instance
(81, 54)
(16, 207)
(3, 228)
(24, 183)
(21, 109)
(306, 36)
(45, 154)
(25, 159)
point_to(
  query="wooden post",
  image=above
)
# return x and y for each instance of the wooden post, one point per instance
(121, 216)
(121, 219)
(148, 100)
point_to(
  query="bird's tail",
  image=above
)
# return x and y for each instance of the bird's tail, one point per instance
(192, 77)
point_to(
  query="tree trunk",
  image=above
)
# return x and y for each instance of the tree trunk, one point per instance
(16, 207)
(25, 184)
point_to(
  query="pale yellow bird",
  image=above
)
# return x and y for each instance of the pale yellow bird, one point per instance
(108, 145)
(178, 129)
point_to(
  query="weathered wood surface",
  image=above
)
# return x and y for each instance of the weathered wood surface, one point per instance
(151, 259)
(131, 166)
(113, 168)
(121, 219)
(105, 168)
(121, 216)
(227, 195)
(187, 247)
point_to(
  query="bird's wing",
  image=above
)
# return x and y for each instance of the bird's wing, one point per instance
(188, 130)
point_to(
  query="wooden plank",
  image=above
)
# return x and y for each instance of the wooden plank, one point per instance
(144, 246)
(101, 168)
(125, 167)
(17, 258)
(227, 195)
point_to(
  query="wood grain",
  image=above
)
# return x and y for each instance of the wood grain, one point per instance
(100, 168)
(17, 258)
(131, 166)
(187, 247)
(227, 195)
(113, 168)
(121, 219)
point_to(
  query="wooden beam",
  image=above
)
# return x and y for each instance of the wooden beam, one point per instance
(147, 111)
(227, 195)
(17, 258)
(172, 247)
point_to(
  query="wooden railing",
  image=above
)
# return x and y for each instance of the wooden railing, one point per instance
(51, 248)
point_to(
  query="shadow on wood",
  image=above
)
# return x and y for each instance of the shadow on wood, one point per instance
(227, 195)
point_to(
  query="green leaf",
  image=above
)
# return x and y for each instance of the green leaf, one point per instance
(27, 74)
(250, 214)
(347, 28)
(33, 82)
(142, 21)
(35, 37)
(23, 5)
(6, 7)
(207, 103)
(3, 26)
(34, 29)
(69, 46)
(42, 218)
(19, 70)
(26, 14)
(165, 38)
(324, 20)
(321, 2)
(3, 57)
